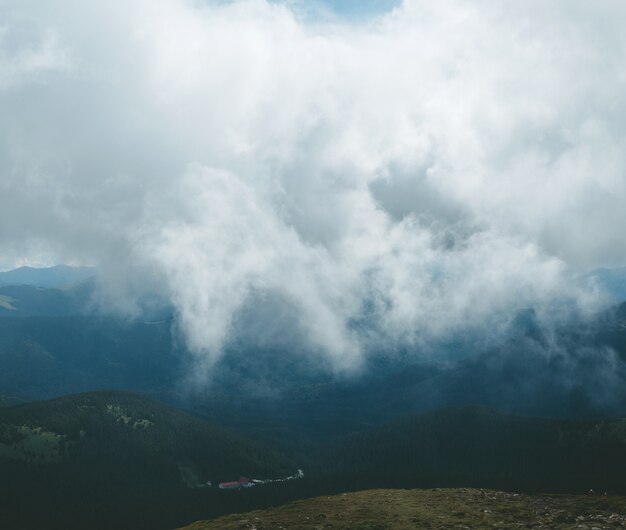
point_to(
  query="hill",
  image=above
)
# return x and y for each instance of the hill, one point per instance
(117, 460)
(576, 371)
(29, 301)
(42, 357)
(481, 447)
(52, 277)
(51, 344)
(439, 508)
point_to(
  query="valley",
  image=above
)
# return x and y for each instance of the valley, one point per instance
(75, 458)
(149, 453)
(312, 264)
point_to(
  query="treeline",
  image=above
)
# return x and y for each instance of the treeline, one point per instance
(483, 448)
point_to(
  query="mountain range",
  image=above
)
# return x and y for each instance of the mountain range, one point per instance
(59, 276)
(100, 426)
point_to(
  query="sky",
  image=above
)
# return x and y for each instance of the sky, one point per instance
(350, 11)
(382, 174)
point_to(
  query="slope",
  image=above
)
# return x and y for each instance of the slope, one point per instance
(481, 447)
(116, 460)
(441, 508)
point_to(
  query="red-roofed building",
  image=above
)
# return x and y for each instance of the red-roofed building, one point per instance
(243, 482)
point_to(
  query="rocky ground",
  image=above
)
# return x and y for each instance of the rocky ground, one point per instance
(436, 508)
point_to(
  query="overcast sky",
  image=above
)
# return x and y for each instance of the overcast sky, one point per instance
(425, 166)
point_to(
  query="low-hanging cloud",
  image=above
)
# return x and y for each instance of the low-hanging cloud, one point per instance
(433, 169)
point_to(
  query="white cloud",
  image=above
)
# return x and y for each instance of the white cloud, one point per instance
(436, 168)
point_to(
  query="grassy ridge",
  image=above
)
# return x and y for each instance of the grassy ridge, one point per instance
(440, 508)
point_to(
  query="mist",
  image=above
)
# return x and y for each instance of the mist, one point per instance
(392, 180)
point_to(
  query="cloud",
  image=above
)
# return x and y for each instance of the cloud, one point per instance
(435, 169)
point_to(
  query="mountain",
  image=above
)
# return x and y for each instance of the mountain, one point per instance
(115, 460)
(484, 448)
(309, 413)
(281, 394)
(59, 276)
(439, 508)
(8, 400)
(118, 460)
(42, 357)
(576, 371)
(29, 301)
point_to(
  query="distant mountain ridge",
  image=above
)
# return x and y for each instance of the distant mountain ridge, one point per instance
(48, 356)
(65, 351)
(31, 301)
(61, 290)
(58, 276)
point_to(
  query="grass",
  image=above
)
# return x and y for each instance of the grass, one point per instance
(438, 508)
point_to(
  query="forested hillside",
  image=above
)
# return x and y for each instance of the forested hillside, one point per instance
(116, 460)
